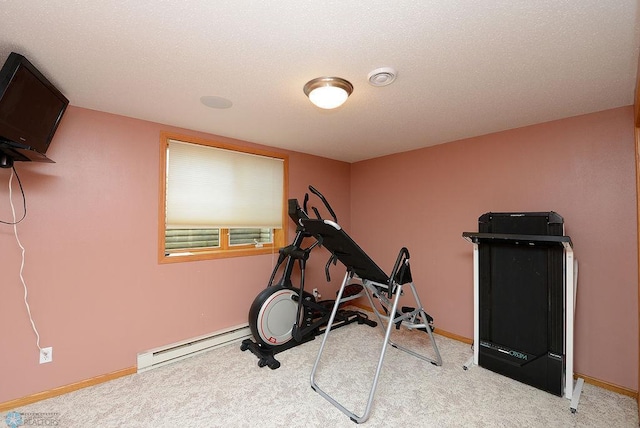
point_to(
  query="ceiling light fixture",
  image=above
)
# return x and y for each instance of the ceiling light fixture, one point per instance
(328, 92)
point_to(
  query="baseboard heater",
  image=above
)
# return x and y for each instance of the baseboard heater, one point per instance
(188, 348)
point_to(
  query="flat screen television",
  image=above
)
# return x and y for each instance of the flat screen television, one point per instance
(30, 111)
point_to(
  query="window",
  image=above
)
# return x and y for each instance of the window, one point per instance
(219, 200)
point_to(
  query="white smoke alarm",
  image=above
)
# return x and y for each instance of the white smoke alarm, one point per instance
(382, 76)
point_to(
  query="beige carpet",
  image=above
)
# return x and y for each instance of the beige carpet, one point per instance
(226, 388)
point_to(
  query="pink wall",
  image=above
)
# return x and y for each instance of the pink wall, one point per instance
(582, 167)
(94, 281)
(96, 290)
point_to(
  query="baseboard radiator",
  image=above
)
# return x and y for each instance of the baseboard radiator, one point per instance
(178, 351)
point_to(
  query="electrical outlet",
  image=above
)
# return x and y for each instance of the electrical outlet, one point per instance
(46, 355)
(315, 292)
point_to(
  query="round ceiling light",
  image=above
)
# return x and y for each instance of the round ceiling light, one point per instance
(382, 76)
(328, 92)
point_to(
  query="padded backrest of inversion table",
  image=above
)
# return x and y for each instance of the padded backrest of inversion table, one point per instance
(336, 240)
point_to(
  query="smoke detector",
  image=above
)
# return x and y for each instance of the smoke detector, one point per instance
(382, 76)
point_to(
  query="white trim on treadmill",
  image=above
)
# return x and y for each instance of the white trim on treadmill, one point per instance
(476, 304)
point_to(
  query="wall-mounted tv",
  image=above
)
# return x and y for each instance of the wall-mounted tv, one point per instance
(30, 111)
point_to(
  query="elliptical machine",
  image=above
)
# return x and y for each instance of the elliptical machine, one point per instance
(283, 316)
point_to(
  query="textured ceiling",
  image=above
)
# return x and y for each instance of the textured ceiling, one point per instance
(465, 68)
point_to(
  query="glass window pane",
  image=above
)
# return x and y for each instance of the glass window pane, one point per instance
(244, 236)
(191, 238)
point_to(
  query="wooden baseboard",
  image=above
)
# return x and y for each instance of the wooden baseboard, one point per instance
(606, 385)
(19, 402)
(453, 336)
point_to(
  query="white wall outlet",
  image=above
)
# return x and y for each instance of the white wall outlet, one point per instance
(316, 294)
(46, 355)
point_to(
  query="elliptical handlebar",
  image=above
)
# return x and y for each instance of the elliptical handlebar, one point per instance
(332, 259)
(295, 250)
(304, 204)
(324, 201)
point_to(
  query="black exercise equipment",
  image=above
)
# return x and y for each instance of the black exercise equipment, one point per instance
(524, 299)
(282, 315)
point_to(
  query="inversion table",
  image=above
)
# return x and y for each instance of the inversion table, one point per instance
(387, 289)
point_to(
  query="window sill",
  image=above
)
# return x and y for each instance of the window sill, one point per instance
(186, 256)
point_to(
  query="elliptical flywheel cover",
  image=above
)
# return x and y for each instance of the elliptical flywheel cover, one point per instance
(272, 315)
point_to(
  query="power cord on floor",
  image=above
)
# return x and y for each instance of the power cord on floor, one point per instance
(15, 231)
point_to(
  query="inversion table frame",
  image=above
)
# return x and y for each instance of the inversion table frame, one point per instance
(388, 289)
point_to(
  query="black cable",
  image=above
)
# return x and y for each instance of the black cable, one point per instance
(24, 200)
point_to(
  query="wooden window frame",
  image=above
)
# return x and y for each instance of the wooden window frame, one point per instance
(224, 250)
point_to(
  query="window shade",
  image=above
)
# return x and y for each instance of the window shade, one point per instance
(213, 187)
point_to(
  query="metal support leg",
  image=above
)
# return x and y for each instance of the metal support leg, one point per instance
(410, 320)
(314, 385)
(468, 364)
(575, 399)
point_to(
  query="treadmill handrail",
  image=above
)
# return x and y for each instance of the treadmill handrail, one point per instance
(512, 238)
